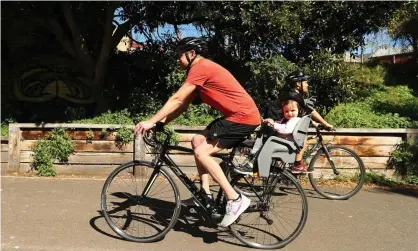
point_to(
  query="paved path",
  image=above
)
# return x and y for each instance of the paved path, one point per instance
(62, 214)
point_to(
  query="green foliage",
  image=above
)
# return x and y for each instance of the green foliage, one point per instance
(267, 81)
(57, 146)
(403, 24)
(124, 135)
(331, 80)
(122, 117)
(368, 76)
(174, 136)
(373, 177)
(196, 115)
(391, 107)
(90, 134)
(405, 159)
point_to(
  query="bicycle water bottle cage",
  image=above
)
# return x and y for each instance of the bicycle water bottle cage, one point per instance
(284, 149)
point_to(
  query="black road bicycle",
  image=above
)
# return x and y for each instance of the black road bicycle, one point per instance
(141, 202)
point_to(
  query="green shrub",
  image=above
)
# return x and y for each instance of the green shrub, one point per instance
(196, 115)
(267, 81)
(405, 160)
(366, 76)
(5, 126)
(124, 135)
(390, 107)
(373, 177)
(57, 146)
(4, 129)
(361, 115)
(331, 81)
(399, 99)
(122, 117)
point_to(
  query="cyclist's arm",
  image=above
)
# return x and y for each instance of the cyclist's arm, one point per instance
(180, 98)
(317, 117)
(170, 117)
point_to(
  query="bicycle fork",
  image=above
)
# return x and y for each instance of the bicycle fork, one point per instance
(331, 161)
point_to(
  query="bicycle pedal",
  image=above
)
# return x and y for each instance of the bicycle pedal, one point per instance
(192, 210)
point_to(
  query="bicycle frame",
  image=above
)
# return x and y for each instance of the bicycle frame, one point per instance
(322, 147)
(164, 158)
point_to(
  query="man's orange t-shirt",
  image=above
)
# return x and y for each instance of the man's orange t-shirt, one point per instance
(219, 89)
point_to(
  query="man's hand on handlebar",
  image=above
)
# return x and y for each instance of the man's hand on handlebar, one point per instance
(327, 127)
(142, 127)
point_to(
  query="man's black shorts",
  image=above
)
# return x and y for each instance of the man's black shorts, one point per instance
(229, 133)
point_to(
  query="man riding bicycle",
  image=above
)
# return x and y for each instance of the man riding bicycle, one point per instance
(215, 86)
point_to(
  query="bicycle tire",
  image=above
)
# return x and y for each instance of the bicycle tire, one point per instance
(289, 188)
(244, 188)
(341, 181)
(114, 200)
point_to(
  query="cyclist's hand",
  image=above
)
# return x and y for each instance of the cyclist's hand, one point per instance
(328, 127)
(315, 124)
(270, 122)
(143, 126)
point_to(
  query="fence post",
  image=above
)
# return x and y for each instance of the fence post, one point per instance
(139, 154)
(14, 148)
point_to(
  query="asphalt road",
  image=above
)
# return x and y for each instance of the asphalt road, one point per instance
(63, 214)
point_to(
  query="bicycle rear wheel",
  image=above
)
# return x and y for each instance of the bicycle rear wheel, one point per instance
(139, 202)
(343, 182)
(275, 218)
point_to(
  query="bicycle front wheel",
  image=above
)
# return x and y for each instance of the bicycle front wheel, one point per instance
(275, 218)
(339, 176)
(140, 203)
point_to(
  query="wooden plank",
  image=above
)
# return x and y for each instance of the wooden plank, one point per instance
(4, 157)
(14, 148)
(4, 167)
(344, 162)
(371, 151)
(74, 134)
(68, 125)
(187, 137)
(87, 158)
(88, 146)
(4, 147)
(360, 140)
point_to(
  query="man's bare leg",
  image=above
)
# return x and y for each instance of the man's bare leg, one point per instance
(203, 154)
(203, 174)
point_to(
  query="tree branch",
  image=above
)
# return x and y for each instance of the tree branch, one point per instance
(172, 21)
(55, 28)
(80, 44)
(107, 38)
(122, 30)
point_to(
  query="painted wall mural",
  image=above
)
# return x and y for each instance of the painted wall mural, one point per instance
(43, 79)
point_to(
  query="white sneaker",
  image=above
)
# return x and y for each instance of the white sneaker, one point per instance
(234, 209)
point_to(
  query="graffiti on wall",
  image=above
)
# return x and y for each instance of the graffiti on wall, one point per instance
(53, 82)
(41, 81)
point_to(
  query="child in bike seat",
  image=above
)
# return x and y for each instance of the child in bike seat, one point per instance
(283, 128)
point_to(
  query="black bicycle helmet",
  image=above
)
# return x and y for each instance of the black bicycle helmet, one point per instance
(297, 76)
(192, 43)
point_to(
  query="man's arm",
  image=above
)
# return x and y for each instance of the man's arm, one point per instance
(170, 117)
(180, 100)
(317, 117)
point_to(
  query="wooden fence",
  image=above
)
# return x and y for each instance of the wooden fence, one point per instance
(101, 153)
